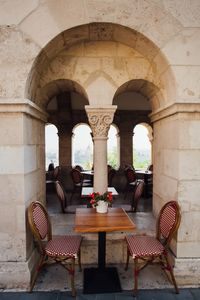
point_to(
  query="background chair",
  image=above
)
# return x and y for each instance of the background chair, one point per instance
(51, 177)
(63, 249)
(131, 180)
(78, 167)
(139, 188)
(147, 249)
(150, 168)
(111, 174)
(78, 183)
(149, 180)
(70, 209)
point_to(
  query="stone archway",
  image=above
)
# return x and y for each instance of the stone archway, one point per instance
(172, 109)
(102, 54)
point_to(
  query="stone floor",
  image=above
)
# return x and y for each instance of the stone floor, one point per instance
(53, 282)
(151, 277)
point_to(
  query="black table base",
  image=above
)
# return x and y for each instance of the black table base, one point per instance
(101, 281)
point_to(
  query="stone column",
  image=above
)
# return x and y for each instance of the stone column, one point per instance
(65, 145)
(100, 120)
(22, 180)
(126, 144)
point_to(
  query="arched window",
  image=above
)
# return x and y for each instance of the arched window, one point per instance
(113, 147)
(51, 145)
(82, 146)
(141, 146)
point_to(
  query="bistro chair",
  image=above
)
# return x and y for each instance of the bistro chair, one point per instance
(60, 192)
(78, 167)
(147, 249)
(78, 182)
(52, 176)
(131, 180)
(111, 174)
(63, 249)
(66, 209)
(149, 180)
(139, 188)
(150, 168)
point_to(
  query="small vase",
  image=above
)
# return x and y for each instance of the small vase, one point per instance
(102, 207)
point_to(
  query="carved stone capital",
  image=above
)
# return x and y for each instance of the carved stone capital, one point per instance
(100, 119)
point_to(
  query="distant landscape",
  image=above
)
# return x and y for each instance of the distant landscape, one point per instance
(83, 157)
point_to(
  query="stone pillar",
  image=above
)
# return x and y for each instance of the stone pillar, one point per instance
(177, 176)
(22, 180)
(100, 120)
(126, 144)
(65, 145)
(150, 136)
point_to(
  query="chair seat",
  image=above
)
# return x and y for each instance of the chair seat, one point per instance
(141, 246)
(63, 246)
(84, 184)
(86, 181)
(133, 183)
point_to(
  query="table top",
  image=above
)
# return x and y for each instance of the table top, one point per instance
(116, 219)
(86, 191)
(88, 172)
(143, 172)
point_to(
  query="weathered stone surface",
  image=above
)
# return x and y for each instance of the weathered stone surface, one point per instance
(14, 12)
(186, 12)
(17, 53)
(157, 55)
(14, 275)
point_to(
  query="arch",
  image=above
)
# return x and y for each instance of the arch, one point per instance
(57, 87)
(147, 89)
(86, 161)
(144, 154)
(51, 145)
(114, 161)
(152, 61)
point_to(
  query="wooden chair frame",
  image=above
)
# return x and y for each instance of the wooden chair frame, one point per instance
(67, 262)
(131, 180)
(137, 195)
(141, 262)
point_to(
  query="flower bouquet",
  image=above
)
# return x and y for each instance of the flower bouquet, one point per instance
(101, 201)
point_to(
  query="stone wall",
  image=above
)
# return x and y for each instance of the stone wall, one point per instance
(144, 46)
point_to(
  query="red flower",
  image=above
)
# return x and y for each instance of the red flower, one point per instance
(109, 196)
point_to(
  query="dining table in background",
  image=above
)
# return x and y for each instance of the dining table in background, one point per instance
(87, 191)
(146, 175)
(88, 174)
(102, 279)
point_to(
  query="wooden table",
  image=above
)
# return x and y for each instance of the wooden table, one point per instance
(87, 191)
(146, 175)
(102, 279)
(88, 174)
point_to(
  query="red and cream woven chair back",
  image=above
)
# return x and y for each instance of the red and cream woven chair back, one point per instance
(137, 193)
(39, 222)
(168, 222)
(77, 177)
(61, 195)
(139, 190)
(59, 249)
(56, 173)
(78, 167)
(130, 175)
